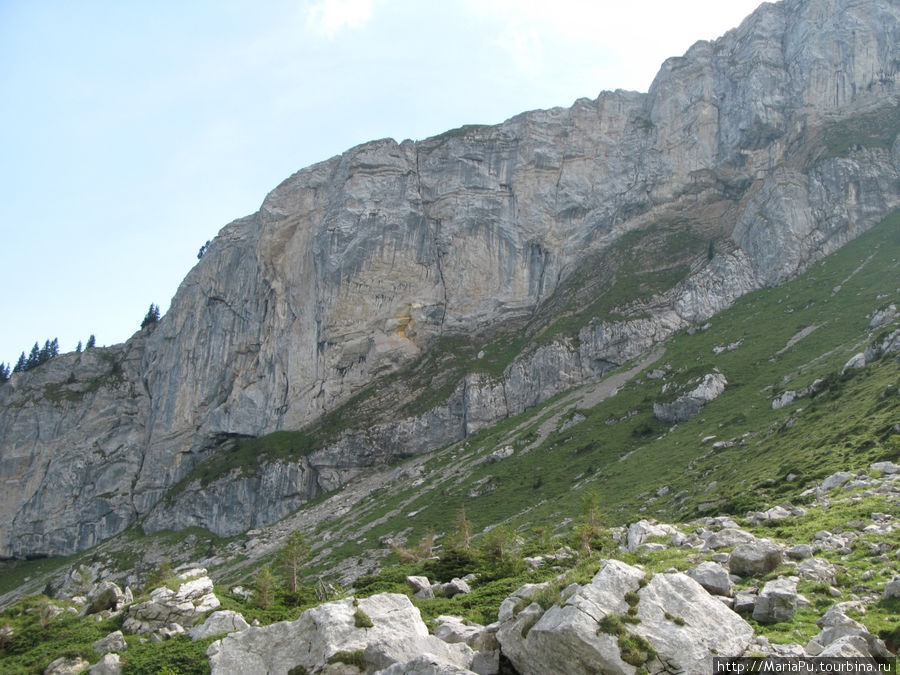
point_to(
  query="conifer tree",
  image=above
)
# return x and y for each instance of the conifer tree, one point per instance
(91, 342)
(151, 317)
(78, 347)
(4, 372)
(34, 358)
(20, 364)
(291, 557)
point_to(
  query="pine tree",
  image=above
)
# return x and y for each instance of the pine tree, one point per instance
(78, 347)
(91, 342)
(54, 348)
(264, 587)
(291, 557)
(152, 316)
(44, 354)
(4, 372)
(20, 364)
(34, 358)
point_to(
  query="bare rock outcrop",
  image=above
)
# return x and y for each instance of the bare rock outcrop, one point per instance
(353, 268)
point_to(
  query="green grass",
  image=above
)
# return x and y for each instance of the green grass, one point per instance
(870, 130)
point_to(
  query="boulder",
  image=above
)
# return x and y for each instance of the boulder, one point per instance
(421, 586)
(108, 665)
(817, 569)
(745, 601)
(835, 480)
(856, 361)
(689, 405)
(103, 596)
(114, 642)
(799, 552)
(678, 620)
(397, 636)
(639, 532)
(67, 665)
(425, 664)
(754, 558)
(888, 468)
(713, 577)
(729, 536)
(838, 630)
(452, 629)
(451, 588)
(892, 589)
(193, 599)
(225, 621)
(777, 602)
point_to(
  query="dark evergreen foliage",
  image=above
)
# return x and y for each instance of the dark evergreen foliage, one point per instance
(4, 372)
(203, 249)
(20, 364)
(91, 342)
(151, 317)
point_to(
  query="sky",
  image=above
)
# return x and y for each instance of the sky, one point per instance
(131, 132)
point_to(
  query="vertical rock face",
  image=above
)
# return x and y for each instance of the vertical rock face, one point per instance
(352, 267)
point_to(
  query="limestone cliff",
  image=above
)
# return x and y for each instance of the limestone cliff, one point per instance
(777, 142)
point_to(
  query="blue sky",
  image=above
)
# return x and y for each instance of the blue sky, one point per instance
(131, 132)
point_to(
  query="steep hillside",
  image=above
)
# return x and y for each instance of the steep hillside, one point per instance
(403, 297)
(800, 448)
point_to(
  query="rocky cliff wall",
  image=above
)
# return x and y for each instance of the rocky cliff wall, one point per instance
(352, 267)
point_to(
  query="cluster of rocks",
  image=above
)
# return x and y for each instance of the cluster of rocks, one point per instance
(166, 614)
(690, 404)
(423, 588)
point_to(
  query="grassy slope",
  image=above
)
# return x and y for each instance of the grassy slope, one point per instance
(848, 426)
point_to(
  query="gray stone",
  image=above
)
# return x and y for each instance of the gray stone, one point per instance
(777, 602)
(397, 636)
(817, 569)
(114, 642)
(225, 621)
(713, 577)
(351, 268)
(755, 558)
(108, 665)
(835, 480)
(729, 536)
(184, 607)
(885, 467)
(105, 595)
(892, 589)
(425, 664)
(799, 552)
(567, 640)
(856, 361)
(67, 665)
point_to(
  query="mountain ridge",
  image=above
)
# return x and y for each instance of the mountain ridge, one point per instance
(352, 267)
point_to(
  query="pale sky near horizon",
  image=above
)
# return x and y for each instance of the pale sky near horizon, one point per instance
(131, 132)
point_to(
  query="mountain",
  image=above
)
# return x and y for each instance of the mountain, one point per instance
(402, 297)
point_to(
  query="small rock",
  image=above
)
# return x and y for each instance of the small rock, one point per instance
(799, 552)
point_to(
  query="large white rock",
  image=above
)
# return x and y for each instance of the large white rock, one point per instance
(225, 621)
(681, 621)
(397, 635)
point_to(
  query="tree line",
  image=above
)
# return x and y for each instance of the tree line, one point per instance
(40, 355)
